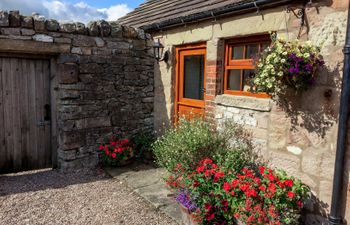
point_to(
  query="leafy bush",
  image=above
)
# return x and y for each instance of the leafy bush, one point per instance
(191, 141)
(143, 145)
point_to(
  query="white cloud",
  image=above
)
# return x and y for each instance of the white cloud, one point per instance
(64, 11)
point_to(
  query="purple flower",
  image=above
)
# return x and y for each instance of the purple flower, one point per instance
(309, 68)
(184, 199)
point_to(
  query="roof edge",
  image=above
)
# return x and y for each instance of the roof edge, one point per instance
(242, 8)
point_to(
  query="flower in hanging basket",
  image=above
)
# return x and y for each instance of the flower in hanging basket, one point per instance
(117, 152)
(287, 64)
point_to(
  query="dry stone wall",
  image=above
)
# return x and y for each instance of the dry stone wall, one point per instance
(102, 79)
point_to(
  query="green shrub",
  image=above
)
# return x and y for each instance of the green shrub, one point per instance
(143, 145)
(191, 141)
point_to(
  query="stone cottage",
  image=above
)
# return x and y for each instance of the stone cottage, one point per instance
(200, 73)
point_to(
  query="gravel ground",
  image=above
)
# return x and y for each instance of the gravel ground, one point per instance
(48, 197)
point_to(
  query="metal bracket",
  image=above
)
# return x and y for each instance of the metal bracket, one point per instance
(299, 13)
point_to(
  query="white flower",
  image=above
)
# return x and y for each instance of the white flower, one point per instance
(285, 53)
(280, 73)
(283, 60)
(260, 65)
(273, 71)
(306, 55)
(276, 60)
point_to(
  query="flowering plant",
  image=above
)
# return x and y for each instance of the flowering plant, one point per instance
(116, 151)
(287, 64)
(261, 196)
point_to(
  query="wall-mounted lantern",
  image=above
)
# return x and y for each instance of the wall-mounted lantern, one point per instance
(158, 49)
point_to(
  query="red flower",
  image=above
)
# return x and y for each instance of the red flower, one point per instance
(251, 193)
(219, 175)
(262, 188)
(214, 166)
(101, 147)
(234, 183)
(114, 155)
(272, 187)
(207, 161)
(208, 206)
(288, 183)
(232, 193)
(300, 204)
(262, 169)
(195, 183)
(291, 194)
(270, 177)
(200, 169)
(210, 216)
(227, 187)
(244, 187)
(113, 143)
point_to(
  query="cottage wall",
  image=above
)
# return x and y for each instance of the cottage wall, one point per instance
(101, 80)
(296, 133)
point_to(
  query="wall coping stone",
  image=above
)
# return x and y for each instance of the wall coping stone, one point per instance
(244, 102)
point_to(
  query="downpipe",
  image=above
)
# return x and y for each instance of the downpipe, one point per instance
(335, 216)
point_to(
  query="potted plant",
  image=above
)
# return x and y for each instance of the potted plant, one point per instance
(118, 152)
(287, 64)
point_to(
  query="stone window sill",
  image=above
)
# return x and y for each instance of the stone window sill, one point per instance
(244, 102)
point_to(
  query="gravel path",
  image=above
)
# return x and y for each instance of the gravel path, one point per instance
(48, 197)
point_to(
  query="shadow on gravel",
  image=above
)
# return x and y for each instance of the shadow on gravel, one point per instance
(38, 180)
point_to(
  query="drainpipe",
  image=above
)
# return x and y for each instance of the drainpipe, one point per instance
(335, 216)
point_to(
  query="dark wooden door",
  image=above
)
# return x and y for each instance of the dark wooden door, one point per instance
(24, 114)
(190, 90)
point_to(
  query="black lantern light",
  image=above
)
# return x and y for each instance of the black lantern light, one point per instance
(158, 49)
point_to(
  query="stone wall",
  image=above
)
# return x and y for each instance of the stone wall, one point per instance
(101, 82)
(296, 133)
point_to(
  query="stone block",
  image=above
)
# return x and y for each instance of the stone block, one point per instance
(83, 41)
(71, 140)
(294, 150)
(68, 73)
(63, 40)
(4, 19)
(27, 32)
(52, 25)
(93, 29)
(104, 27)
(129, 32)
(80, 28)
(68, 58)
(288, 162)
(15, 18)
(67, 155)
(99, 42)
(91, 68)
(43, 38)
(68, 27)
(257, 104)
(93, 122)
(325, 191)
(116, 30)
(27, 22)
(10, 31)
(327, 164)
(39, 22)
(76, 50)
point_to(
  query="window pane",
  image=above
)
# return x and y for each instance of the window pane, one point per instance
(194, 77)
(237, 52)
(248, 76)
(234, 80)
(264, 46)
(252, 51)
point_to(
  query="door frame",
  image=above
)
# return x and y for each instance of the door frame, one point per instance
(53, 84)
(199, 47)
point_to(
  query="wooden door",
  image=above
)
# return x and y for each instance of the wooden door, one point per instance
(24, 114)
(190, 81)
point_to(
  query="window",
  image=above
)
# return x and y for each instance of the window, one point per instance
(239, 64)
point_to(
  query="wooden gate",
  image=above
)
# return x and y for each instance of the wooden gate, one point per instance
(24, 114)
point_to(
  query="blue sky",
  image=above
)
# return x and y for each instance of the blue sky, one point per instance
(73, 10)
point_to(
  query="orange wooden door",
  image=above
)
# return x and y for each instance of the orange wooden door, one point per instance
(190, 81)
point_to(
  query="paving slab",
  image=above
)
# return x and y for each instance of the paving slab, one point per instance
(148, 182)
